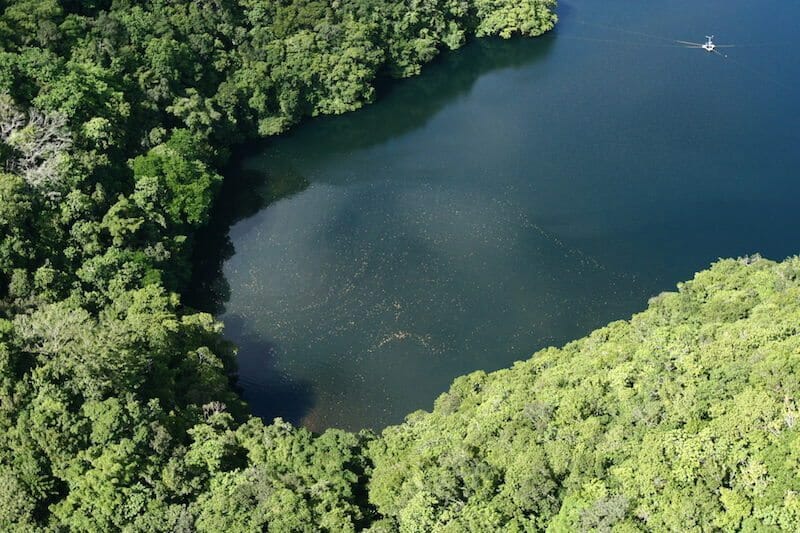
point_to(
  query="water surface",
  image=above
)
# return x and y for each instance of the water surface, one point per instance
(516, 195)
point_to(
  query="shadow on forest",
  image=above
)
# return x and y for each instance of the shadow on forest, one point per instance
(402, 106)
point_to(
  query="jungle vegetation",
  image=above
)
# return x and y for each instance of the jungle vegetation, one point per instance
(117, 402)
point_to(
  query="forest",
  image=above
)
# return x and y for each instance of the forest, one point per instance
(118, 406)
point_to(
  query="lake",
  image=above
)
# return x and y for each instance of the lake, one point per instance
(516, 195)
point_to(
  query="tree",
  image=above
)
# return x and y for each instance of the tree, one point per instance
(189, 183)
(36, 146)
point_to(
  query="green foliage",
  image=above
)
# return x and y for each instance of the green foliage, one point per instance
(508, 17)
(288, 480)
(187, 184)
(16, 217)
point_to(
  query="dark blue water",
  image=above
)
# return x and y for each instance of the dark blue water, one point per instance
(516, 195)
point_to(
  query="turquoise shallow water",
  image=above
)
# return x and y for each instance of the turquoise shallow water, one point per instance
(516, 195)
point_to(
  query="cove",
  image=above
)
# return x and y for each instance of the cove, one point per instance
(516, 195)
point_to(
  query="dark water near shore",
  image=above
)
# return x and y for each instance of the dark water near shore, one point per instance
(516, 195)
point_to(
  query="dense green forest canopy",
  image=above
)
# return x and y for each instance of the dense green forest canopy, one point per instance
(117, 406)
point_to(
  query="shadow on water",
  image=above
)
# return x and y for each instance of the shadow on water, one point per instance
(406, 105)
(402, 107)
(290, 399)
(243, 194)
